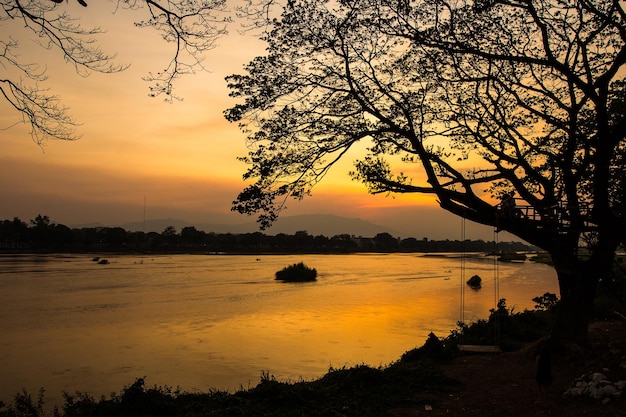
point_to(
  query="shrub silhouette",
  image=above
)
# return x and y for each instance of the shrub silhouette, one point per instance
(296, 273)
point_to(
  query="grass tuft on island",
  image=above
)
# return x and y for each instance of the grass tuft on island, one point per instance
(298, 272)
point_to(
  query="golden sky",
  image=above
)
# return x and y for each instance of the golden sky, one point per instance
(180, 157)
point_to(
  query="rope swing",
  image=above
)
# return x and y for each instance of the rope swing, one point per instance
(496, 294)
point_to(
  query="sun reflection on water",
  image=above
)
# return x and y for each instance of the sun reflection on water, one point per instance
(202, 322)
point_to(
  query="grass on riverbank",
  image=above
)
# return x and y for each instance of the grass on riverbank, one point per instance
(358, 391)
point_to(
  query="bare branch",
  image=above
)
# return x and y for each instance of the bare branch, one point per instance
(192, 26)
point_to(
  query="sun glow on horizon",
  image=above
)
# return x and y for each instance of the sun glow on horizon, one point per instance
(182, 156)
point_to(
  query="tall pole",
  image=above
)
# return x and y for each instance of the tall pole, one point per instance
(144, 214)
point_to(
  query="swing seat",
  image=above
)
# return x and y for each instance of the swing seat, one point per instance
(479, 349)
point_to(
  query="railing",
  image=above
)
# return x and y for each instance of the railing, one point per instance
(558, 214)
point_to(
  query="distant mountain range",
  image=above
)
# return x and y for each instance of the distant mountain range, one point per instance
(313, 224)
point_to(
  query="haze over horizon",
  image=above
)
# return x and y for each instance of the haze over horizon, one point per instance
(180, 159)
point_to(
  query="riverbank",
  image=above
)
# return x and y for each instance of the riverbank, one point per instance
(485, 385)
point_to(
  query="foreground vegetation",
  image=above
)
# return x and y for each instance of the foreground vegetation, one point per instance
(357, 391)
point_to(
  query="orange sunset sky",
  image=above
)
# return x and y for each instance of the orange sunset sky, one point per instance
(180, 157)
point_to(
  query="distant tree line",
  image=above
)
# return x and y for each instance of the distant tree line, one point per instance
(42, 235)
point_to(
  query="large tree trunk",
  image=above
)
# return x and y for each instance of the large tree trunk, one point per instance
(577, 289)
(578, 280)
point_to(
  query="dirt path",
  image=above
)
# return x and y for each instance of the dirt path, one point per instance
(499, 385)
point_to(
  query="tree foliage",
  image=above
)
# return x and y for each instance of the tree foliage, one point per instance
(468, 101)
(490, 96)
(42, 235)
(191, 26)
(479, 96)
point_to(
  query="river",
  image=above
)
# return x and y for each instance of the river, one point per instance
(202, 322)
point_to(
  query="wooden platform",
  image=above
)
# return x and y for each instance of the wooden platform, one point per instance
(479, 349)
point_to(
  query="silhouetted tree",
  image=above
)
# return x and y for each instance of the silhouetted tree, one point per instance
(169, 231)
(138, 240)
(169, 235)
(113, 237)
(321, 242)
(41, 231)
(302, 240)
(191, 236)
(467, 101)
(253, 241)
(13, 232)
(343, 243)
(41, 222)
(14, 229)
(85, 237)
(386, 243)
(225, 242)
(62, 236)
(409, 244)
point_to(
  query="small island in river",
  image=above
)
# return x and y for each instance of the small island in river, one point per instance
(296, 273)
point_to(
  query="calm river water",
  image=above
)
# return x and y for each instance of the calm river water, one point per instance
(218, 321)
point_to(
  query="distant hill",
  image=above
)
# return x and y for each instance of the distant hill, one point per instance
(313, 224)
(329, 225)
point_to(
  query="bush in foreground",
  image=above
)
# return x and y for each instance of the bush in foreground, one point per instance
(508, 328)
(360, 391)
